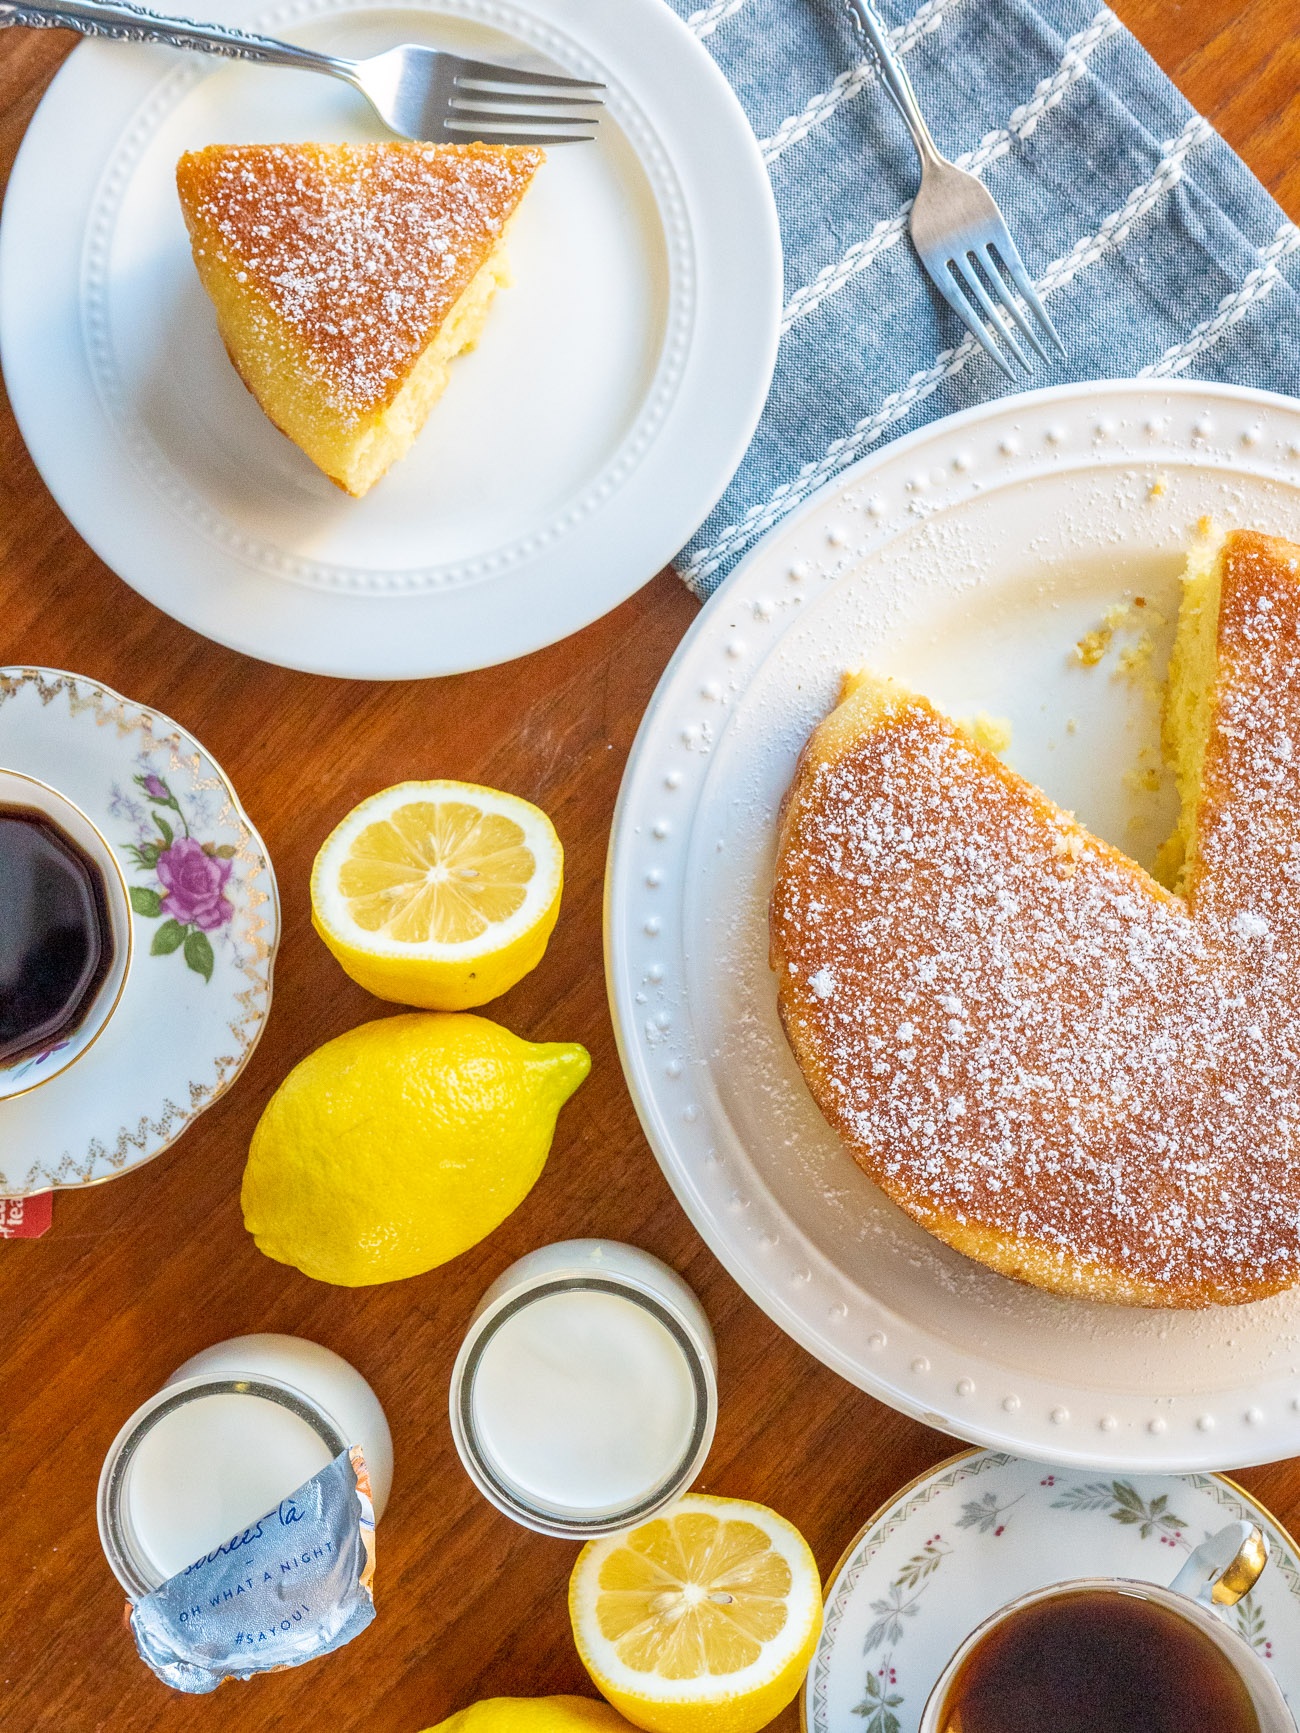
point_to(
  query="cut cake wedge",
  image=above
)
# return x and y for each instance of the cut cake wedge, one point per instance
(1049, 1060)
(346, 279)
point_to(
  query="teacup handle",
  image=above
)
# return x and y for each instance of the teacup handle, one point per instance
(1225, 1567)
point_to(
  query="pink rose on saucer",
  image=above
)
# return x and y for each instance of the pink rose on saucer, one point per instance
(194, 885)
(191, 878)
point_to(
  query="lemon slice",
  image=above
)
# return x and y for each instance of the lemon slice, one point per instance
(439, 894)
(703, 1620)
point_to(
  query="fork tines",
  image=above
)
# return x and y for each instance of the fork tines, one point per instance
(504, 104)
(482, 73)
(978, 285)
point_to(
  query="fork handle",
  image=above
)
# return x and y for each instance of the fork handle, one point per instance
(127, 23)
(896, 81)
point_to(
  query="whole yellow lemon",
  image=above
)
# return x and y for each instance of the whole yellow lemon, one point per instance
(401, 1144)
(535, 1715)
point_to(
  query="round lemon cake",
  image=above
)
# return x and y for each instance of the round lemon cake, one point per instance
(1064, 1069)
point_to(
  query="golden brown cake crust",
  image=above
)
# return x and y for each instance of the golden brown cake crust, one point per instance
(1048, 1060)
(361, 251)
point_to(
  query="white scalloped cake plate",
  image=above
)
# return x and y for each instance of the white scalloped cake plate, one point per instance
(613, 392)
(198, 991)
(981, 1529)
(967, 560)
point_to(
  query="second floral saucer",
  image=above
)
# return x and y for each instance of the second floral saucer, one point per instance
(207, 922)
(983, 1528)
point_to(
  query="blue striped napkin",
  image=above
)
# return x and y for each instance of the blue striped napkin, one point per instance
(1156, 249)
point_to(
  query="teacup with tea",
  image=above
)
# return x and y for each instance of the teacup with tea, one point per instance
(65, 933)
(1109, 1655)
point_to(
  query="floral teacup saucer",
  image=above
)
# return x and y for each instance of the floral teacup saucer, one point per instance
(207, 922)
(983, 1528)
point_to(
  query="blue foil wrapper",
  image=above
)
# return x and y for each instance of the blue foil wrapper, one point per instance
(294, 1585)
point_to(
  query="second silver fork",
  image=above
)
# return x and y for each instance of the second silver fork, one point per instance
(960, 234)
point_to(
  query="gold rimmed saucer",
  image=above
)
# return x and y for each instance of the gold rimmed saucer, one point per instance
(979, 1529)
(206, 918)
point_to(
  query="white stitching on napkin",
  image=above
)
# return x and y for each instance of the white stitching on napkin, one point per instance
(821, 107)
(707, 19)
(1048, 94)
(1085, 252)
(1256, 286)
(1117, 226)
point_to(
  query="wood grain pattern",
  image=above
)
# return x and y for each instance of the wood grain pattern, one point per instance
(137, 1275)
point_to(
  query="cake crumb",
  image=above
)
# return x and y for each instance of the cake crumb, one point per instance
(1134, 658)
(1135, 615)
(1093, 646)
(993, 733)
(1144, 779)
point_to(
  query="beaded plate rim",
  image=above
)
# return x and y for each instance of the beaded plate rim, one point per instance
(1151, 425)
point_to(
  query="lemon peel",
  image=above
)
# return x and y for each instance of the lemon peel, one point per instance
(402, 1143)
(534, 1715)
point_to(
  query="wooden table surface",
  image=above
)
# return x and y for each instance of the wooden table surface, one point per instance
(136, 1276)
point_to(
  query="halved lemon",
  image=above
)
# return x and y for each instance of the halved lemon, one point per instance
(440, 894)
(703, 1620)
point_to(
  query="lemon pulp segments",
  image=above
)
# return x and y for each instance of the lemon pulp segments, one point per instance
(442, 870)
(693, 1595)
(441, 894)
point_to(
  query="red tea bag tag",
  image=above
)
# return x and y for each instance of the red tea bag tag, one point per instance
(26, 1218)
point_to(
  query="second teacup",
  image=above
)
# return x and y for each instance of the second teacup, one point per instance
(1108, 1655)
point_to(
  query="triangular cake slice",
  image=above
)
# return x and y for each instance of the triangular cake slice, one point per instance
(347, 278)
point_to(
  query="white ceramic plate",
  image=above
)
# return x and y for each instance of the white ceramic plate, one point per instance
(981, 1529)
(614, 390)
(967, 560)
(207, 923)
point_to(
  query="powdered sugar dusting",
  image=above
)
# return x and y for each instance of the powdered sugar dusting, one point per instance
(361, 251)
(1026, 1034)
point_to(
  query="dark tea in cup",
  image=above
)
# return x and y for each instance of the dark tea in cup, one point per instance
(1097, 1661)
(56, 936)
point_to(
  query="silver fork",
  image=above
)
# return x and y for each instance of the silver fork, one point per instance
(958, 230)
(419, 93)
